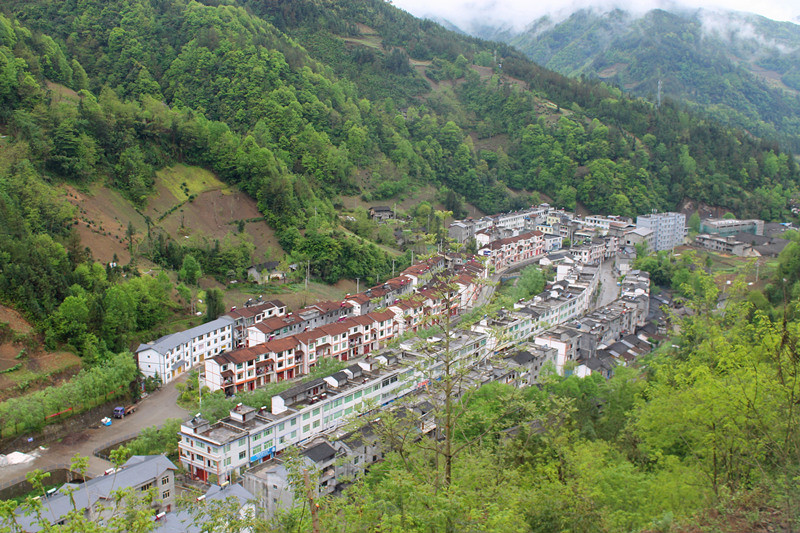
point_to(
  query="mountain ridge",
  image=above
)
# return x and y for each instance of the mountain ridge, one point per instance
(739, 68)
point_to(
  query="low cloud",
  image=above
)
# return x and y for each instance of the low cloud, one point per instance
(520, 13)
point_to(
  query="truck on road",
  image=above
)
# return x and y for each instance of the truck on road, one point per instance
(122, 412)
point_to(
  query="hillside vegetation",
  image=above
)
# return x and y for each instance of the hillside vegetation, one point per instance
(300, 105)
(738, 68)
(168, 110)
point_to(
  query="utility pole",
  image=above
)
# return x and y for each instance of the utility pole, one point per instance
(308, 264)
(358, 285)
(658, 106)
(393, 267)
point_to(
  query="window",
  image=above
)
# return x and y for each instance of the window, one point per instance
(165, 495)
(165, 480)
(306, 428)
(348, 398)
(268, 432)
(306, 416)
(257, 449)
(227, 461)
(293, 422)
(257, 436)
(357, 395)
(281, 426)
(242, 454)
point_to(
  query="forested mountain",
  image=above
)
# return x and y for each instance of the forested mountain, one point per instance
(302, 103)
(742, 69)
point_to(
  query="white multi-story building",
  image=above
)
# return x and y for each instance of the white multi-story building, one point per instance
(172, 355)
(248, 436)
(504, 253)
(669, 229)
(598, 221)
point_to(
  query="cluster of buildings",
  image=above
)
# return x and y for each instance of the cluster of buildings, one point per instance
(554, 329)
(744, 238)
(96, 500)
(529, 233)
(263, 343)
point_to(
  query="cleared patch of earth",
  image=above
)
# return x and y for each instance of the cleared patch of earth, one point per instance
(612, 70)
(34, 367)
(187, 202)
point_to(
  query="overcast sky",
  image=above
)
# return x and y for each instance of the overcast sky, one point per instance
(520, 13)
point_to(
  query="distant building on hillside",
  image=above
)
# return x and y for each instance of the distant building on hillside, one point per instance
(726, 245)
(727, 227)
(669, 229)
(381, 212)
(264, 272)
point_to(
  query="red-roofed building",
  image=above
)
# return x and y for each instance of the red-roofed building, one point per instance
(253, 367)
(245, 317)
(507, 252)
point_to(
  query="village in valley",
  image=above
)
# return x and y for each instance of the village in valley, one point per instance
(595, 314)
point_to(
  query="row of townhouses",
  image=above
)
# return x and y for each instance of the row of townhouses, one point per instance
(409, 297)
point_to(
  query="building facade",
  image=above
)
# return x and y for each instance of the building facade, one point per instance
(669, 229)
(172, 355)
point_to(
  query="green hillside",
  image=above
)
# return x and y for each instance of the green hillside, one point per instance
(163, 111)
(301, 104)
(740, 69)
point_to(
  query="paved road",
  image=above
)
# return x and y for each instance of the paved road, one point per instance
(152, 411)
(609, 290)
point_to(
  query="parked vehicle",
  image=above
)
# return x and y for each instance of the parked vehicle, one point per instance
(122, 412)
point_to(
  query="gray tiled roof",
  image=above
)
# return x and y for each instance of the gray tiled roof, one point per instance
(185, 522)
(139, 470)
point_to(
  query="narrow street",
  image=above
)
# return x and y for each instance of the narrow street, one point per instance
(152, 411)
(608, 290)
